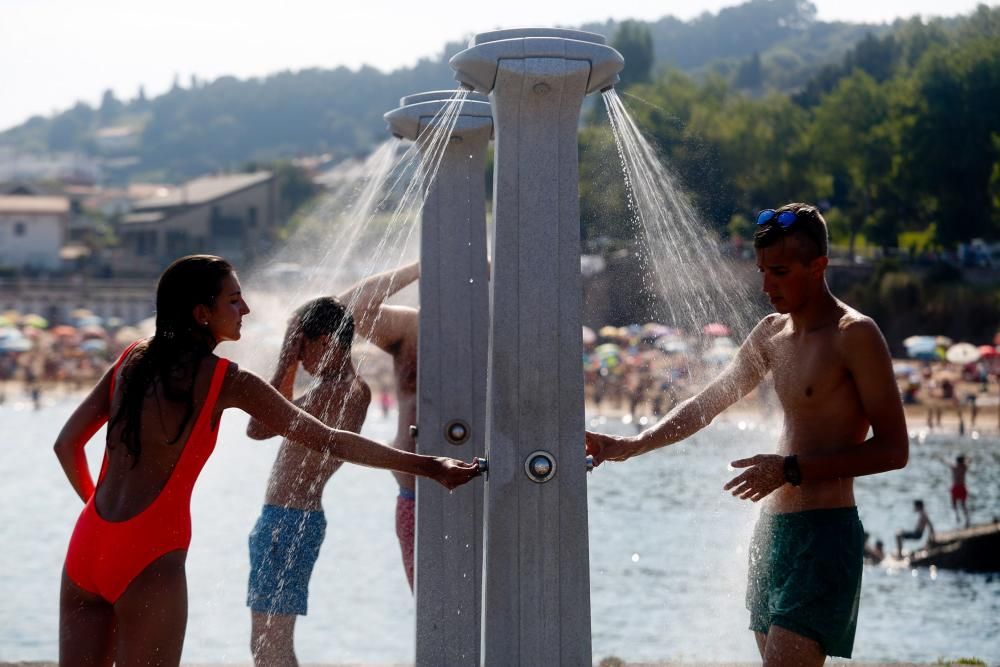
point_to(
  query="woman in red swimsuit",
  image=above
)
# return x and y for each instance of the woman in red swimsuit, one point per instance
(124, 589)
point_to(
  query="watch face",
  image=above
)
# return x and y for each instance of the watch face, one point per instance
(792, 473)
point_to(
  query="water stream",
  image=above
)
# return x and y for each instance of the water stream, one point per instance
(680, 258)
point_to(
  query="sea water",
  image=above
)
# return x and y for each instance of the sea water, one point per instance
(668, 550)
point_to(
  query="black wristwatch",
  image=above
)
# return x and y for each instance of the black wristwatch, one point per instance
(792, 473)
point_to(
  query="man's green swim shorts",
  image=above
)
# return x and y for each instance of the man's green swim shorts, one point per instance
(805, 575)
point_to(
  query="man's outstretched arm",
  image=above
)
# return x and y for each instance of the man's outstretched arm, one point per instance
(744, 373)
(381, 324)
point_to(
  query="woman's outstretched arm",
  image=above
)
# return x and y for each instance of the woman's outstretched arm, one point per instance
(250, 393)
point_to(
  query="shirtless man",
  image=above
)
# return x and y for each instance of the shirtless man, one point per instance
(833, 377)
(394, 329)
(959, 492)
(285, 542)
(923, 523)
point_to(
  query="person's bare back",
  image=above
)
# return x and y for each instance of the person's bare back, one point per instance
(299, 474)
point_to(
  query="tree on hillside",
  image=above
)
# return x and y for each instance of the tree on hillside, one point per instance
(110, 108)
(69, 130)
(874, 56)
(951, 148)
(750, 75)
(633, 40)
(850, 139)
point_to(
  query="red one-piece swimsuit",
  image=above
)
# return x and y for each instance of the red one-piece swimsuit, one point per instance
(105, 556)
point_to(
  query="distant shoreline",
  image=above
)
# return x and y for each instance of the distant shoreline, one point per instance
(987, 421)
(598, 664)
(916, 417)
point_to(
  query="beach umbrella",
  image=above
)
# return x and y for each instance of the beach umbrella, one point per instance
(81, 312)
(90, 321)
(15, 344)
(609, 355)
(943, 341)
(94, 346)
(607, 350)
(671, 344)
(7, 321)
(900, 369)
(962, 353)
(925, 348)
(35, 320)
(655, 330)
(987, 351)
(608, 331)
(589, 337)
(715, 329)
(114, 322)
(919, 340)
(93, 331)
(64, 331)
(10, 332)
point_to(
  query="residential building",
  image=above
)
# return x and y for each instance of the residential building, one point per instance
(233, 215)
(33, 229)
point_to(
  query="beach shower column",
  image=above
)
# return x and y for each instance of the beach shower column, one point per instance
(451, 408)
(536, 575)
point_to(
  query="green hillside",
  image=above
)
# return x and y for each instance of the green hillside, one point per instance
(221, 124)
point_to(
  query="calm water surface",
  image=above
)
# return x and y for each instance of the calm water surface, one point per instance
(668, 552)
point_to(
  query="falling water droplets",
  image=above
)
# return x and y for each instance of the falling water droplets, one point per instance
(679, 253)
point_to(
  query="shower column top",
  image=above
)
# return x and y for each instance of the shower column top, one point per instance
(418, 112)
(476, 67)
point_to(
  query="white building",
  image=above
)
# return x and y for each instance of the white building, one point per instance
(33, 230)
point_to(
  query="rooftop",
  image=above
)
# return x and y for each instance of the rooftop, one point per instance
(143, 217)
(34, 205)
(203, 190)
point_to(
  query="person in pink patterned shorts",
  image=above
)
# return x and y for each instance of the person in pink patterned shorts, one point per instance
(394, 329)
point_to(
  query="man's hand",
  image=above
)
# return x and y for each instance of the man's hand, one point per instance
(609, 447)
(291, 346)
(764, 473)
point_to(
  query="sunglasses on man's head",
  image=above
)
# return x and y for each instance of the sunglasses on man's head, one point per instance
(785, 218)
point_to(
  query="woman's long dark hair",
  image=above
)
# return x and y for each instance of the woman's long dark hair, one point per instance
(177, 346)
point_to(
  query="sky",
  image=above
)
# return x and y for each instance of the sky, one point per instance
(56, 52)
